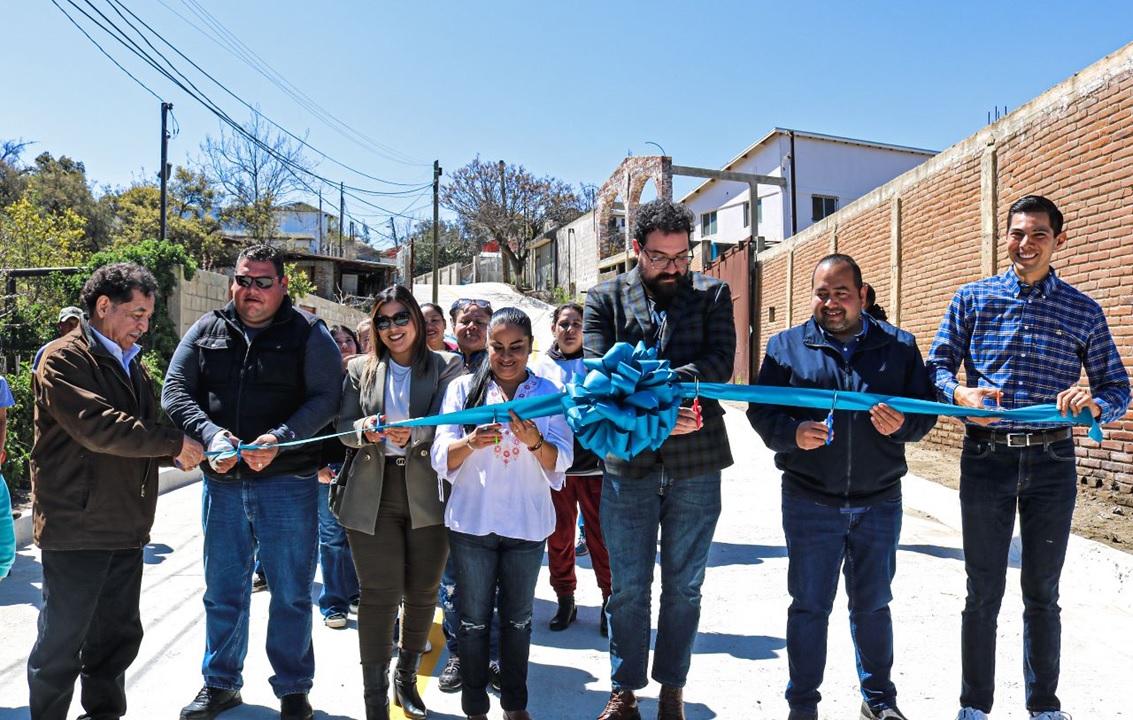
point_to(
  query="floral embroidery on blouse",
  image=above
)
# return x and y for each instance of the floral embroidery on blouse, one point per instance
(509, 446)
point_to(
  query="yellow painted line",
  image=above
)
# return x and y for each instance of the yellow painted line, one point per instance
(429, 663)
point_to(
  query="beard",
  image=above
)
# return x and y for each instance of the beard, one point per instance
(662, 289)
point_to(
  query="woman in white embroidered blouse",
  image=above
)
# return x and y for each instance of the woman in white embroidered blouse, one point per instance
(500, 512)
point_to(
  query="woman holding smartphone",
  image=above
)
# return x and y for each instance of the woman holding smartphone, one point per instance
(500, 512)
(389, 505)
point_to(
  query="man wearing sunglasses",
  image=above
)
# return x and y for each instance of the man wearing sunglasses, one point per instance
(257, 372)
(688, 318)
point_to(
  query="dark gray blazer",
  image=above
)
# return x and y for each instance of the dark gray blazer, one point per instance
(363, 492)
(698, 340)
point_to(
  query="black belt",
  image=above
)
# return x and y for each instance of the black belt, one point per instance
(398, 460)
(1019, 439)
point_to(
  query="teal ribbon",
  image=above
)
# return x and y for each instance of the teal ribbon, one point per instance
(628, 401)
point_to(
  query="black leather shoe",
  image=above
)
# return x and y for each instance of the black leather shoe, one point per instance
(568, 611)
(210, 702)
(295, 707)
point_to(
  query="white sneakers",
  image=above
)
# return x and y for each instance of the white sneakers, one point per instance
(973, 714)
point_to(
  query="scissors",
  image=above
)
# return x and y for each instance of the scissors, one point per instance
(830, 419)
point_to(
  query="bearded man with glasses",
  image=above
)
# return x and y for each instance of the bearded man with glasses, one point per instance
(674, 491)
(260, 372)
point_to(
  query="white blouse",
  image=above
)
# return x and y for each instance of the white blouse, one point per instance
(502, 489)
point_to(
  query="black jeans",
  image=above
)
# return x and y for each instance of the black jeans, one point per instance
(89, 624)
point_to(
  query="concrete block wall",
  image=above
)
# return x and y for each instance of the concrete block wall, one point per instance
(921, 236)
(208, 291)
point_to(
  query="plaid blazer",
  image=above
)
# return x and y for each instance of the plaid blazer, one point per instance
(699, 341)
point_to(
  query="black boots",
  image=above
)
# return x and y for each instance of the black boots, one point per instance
(375, 684)
(405, 685)
(566, 614)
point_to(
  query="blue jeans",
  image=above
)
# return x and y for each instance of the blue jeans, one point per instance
(1042, 483)
(340, 580)
(449, 598)
(862, 543)
(491, 568)
(277, 516)
(685, 510)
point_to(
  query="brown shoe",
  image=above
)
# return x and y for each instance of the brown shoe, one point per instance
(621, 706)
(670, 704)
(517, 715)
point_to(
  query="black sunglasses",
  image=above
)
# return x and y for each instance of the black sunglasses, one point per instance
(465, 302)
(401, 319)
(263, 283)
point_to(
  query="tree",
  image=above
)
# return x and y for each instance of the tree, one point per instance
(255, 171)
(454, 246)
(55, 185)
(190, 221)
(509, 205)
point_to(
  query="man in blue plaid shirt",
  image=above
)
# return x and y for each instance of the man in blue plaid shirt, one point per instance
(1023, 337)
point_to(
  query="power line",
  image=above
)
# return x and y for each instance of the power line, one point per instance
(240, 100)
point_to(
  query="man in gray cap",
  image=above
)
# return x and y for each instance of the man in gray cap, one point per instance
(70, 318)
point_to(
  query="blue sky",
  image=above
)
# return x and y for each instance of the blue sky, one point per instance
(564, 89)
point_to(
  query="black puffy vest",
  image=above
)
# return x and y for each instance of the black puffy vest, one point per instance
(253, 390)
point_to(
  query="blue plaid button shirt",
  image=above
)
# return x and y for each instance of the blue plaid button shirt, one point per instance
(1029, 341)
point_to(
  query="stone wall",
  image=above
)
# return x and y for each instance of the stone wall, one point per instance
(940, 225)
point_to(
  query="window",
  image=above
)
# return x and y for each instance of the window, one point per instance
(708, 224)
(758, 213)
(823, 206)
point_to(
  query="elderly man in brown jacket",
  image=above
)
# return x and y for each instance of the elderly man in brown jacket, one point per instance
(94, 468)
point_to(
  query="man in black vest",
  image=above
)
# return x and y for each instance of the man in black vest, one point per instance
(256, 372)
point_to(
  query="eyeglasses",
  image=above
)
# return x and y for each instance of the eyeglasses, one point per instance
(465, 302)
(263, 283)
(401, 319)
(660, 262)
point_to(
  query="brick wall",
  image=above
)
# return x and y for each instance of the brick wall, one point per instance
(938, 226)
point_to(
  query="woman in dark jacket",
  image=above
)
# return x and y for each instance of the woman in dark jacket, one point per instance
(390, 506)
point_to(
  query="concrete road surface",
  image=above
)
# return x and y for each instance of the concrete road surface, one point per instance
(739, 667)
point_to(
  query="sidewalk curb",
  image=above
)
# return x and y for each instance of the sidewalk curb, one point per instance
(169, 479)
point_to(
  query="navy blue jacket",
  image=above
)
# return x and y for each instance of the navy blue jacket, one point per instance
(860, 466)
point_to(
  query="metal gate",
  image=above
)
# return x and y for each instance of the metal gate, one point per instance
(734, 268)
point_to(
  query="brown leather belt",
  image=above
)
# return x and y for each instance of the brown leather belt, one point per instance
(1019, 439)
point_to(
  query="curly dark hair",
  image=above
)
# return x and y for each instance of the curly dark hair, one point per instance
(664, 215)
(117, 282)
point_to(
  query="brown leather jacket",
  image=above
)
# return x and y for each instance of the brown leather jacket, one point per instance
(94, 465)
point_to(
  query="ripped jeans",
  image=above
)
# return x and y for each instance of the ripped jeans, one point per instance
(485, 564)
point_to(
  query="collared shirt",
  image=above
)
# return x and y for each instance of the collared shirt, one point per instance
(1029, 341)
(124, 356)
(502, 489)
(846, 349)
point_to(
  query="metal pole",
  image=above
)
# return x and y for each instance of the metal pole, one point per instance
(436, 228)
(164, 173)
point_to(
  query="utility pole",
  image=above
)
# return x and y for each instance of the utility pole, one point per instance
(165, 108)
(436, 228)
(341, 213)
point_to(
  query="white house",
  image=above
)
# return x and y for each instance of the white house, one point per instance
(823, 173)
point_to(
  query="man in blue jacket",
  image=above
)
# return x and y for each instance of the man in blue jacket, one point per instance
(842, 480)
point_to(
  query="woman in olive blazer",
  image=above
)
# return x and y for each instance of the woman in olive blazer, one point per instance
(388, 499)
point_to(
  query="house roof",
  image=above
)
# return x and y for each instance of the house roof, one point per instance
(777, 131)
